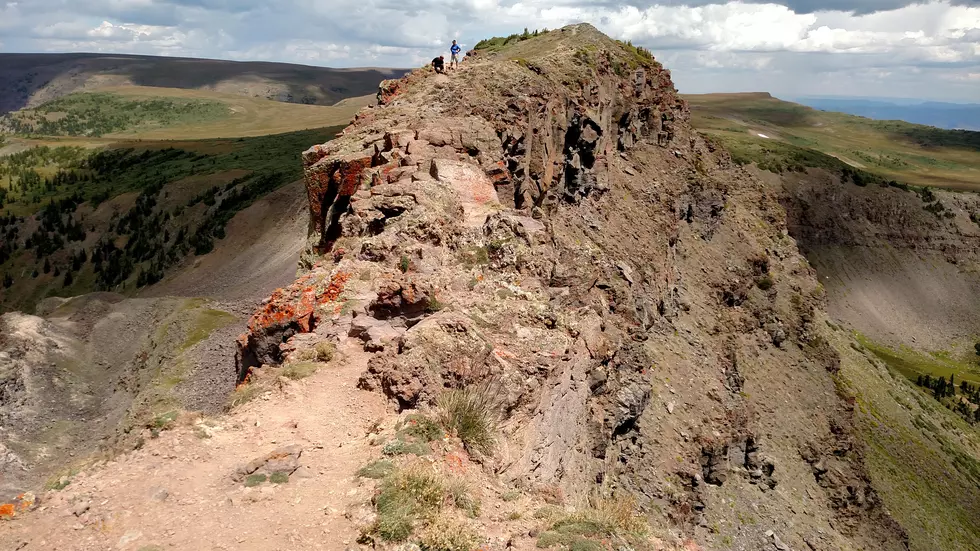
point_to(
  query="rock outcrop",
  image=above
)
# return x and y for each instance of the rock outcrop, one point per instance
(546, 220)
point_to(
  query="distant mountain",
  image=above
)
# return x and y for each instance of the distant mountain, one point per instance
(29, 80)
(964, 116)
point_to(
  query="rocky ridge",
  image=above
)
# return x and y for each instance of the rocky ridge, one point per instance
(546, 220)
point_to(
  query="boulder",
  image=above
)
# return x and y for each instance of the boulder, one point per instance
(284, 459)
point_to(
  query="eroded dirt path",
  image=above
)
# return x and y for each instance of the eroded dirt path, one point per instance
(177, 492)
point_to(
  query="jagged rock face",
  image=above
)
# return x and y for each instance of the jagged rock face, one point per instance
(633, 295)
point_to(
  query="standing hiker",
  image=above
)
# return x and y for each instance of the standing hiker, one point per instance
(454, 60)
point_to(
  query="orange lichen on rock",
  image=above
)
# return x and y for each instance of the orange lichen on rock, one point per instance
(335, 288)
(293, 303)
(8, 510)
(287, 312)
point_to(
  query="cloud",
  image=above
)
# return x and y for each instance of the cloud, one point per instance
(869, 47)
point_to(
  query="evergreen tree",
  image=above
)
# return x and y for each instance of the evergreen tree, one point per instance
(951, 388)
(7, 281)
(68, 279)
(47, 266)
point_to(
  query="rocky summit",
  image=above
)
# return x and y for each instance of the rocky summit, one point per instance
(545, 221)
(535, 309)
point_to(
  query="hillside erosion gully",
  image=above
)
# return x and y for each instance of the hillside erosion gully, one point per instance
(545, 222)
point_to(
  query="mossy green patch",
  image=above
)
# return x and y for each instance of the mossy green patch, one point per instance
(279, 478)
(254, 480)
(206, 323)
(912, 363)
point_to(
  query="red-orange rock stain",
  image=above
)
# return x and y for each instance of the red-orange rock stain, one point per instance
(7, 510)
(295, 304)
(350, 175)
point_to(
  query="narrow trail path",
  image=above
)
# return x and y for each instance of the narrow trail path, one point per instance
(177, 492)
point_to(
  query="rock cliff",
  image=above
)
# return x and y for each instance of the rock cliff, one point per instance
(545, 221)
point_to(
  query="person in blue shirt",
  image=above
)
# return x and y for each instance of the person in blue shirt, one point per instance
(454, 60)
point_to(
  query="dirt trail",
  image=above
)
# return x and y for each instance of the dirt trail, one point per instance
(176, 492)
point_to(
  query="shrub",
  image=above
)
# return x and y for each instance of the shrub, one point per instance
(405, 498)
(325, 351)
(765, 282)
(165, 421)
(446, 535)
(471, 414)
(404, 264)
(604, 518)
(376, 469)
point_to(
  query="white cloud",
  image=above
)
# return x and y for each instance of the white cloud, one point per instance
(709, 45)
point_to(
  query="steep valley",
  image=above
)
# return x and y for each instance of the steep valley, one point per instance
(535, 308)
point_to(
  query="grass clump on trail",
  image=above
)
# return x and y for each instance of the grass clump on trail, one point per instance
(299, 370)
(447, 535)
(376, 469)
(413, 501)
(472, 414)
(245, 393)
(406, 499)
(604, 519)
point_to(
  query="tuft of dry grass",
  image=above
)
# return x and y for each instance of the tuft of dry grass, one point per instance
(299, 370)
(244, 393)
(406, 498)
(324, 351)
(473, 415)
(447, 535)
(603, 519)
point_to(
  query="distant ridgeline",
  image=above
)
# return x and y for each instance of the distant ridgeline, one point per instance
(780, 136)
(73, 220)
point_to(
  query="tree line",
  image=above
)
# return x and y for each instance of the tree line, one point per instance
(968, 404)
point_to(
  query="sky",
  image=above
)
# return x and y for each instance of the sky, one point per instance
(882, 48)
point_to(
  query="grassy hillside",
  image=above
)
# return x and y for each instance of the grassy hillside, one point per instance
(168, 113)
(29, 80)
(74, 220)
(922, 457)
(779, 136)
